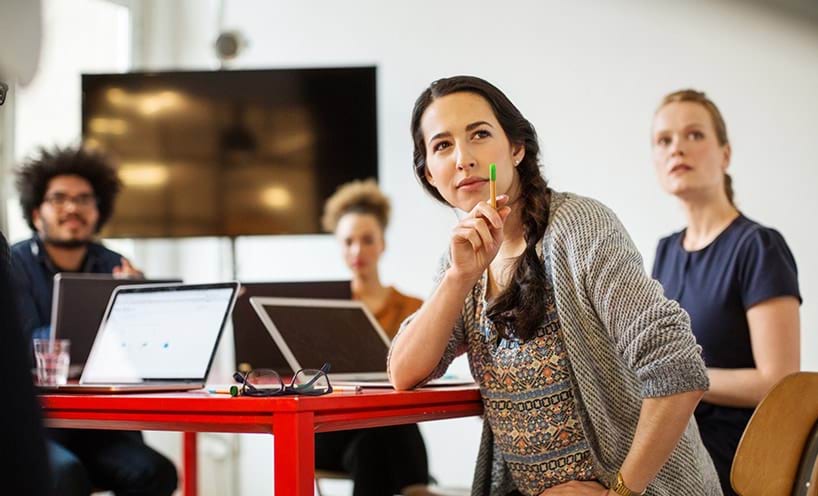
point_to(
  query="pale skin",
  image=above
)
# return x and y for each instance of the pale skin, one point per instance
(462, 137)
(361, 238)
(75, 221)
(690, 164)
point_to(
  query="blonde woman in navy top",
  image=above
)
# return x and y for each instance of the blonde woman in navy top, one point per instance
(736, 278)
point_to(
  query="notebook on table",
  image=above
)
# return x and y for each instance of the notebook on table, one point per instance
(156, 338)
(78, 305)
(310, 332)
(254, 347)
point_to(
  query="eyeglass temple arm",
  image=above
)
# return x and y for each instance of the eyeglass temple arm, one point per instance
(325, 369)
(242, 378)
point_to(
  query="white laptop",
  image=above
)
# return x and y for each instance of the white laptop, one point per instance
(156, 338)
(310, 332)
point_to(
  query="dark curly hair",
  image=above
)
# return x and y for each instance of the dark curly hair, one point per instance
(525, 295)
(95, 167)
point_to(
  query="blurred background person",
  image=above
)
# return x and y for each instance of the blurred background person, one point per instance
(385, 460)
(67, 195)
(358, 214)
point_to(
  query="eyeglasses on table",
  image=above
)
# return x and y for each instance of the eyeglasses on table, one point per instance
(267, 382)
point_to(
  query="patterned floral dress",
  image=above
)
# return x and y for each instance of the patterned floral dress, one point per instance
(529, 400)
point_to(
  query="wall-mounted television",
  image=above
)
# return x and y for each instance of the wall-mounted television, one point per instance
(231, 153)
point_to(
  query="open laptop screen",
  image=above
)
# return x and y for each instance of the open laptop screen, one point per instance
(311, 332)
(159, 333)
(254, 346)
(78, 306)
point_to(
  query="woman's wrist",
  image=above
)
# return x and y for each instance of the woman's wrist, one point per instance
(619, 486)
(460, 280)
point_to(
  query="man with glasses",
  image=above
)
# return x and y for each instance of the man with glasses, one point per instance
(67, 195)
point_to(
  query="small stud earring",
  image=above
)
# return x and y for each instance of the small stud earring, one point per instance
(517, 162)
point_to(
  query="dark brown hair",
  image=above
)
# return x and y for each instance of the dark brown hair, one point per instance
(525, 296)
(720, 126)
(93, 166)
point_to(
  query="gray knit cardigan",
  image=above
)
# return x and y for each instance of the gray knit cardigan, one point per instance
(625, 341)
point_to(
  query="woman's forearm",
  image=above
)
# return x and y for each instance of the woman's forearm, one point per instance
(775, 335)
(419, 348)
(662, 421)
(741, 388)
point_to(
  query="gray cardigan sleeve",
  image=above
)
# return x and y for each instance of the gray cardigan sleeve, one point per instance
(457, 341)
(650, 332)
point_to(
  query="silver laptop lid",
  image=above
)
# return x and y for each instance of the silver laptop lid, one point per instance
(310, 332)
(160, 333)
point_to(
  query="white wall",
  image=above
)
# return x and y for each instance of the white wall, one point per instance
(588, 74)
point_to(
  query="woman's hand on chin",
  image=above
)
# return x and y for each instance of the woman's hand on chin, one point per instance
(476, 239)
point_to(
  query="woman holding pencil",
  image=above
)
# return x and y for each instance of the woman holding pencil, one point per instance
(385, 460)
(589, 374)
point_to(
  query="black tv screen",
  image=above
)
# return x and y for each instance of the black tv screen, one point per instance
(231, 153)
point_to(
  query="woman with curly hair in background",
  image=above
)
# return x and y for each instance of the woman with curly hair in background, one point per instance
(384, 460)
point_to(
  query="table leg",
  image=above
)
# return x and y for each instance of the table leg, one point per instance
(294, 454)
(190, 462)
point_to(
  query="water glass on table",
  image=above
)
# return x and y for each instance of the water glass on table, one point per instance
(52, 358)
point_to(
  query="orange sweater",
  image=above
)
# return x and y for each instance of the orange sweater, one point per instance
(397, 307)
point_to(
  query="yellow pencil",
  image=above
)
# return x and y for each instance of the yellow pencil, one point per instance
(344, 388)
(232, 390)
(493, 185)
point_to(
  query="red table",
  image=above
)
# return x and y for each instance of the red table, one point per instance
(292, 420)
